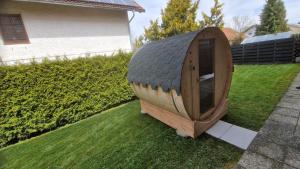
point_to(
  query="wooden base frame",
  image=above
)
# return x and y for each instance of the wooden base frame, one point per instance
(183, 126)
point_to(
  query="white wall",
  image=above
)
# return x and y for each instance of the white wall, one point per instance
(56, 30)
(251, 32)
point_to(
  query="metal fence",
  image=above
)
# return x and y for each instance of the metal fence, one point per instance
(275, 51)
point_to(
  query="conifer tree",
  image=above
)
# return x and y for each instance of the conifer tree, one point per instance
(215, 18)
(178, 17)
(139, 42)
(153, 33)
(273, 18)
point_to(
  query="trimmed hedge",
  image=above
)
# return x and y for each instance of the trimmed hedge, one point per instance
(37, 98)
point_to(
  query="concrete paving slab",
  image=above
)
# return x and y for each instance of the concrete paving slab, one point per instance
(268, 149)
(284, 119)
(219, 129)
(290, 103)
(279, 130)
(239, 136)
(291, 96)
(293, 158)
(288, 167)
(252, 160)
(293, 92)
(294, 142)
(273, 138)
(297, 131)
(287, 111)
(232, 134)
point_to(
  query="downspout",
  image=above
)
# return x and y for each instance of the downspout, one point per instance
(131, 40)
(133, 15)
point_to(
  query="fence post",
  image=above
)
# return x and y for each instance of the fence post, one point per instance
(257, 53)
(294, 50)
(243, 54)
(274, 50)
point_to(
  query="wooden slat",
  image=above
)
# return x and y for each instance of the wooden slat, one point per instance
(187, 127)
(284, 50)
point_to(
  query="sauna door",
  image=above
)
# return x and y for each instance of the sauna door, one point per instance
(206, 75)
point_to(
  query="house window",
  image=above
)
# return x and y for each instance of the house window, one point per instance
(13, 30)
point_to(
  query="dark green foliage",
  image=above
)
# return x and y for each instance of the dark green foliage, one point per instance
(273, 18)
(40, 97)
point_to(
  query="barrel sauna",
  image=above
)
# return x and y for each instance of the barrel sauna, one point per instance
(184, 80)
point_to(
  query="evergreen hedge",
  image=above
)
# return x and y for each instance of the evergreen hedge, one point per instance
(37, 98)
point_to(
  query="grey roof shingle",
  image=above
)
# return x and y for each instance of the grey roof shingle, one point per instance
(160, 63)
(109, 4)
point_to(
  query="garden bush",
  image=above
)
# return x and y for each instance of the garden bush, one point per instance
(37, 98)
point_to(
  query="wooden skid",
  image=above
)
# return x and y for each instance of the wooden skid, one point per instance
(181, 124)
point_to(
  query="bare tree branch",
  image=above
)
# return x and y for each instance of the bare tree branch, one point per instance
(241, 23)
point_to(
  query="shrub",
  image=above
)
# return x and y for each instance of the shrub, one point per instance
(37, 98)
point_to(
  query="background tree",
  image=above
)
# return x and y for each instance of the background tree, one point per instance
(273, 18)
(139, 42)
(216, 16)
(153, 32)
(241, 24)
(178, 17)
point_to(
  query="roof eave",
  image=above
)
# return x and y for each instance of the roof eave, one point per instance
(102, 6)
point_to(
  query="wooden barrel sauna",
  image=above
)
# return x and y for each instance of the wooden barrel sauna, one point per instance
(184, 80)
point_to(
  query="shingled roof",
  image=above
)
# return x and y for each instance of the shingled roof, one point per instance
(129, 5)
(160, 63)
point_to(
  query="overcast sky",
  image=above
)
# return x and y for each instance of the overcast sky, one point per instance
(251, 8)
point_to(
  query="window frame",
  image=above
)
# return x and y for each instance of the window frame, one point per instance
(14, 42)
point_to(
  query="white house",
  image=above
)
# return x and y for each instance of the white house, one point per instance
(250, 32)
(35, 29)
(269, 37)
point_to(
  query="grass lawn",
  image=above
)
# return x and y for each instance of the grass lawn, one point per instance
(124, 138)
(255, 90)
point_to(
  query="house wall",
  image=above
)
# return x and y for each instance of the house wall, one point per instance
(251, 32)
(294, 28)
(56, 30)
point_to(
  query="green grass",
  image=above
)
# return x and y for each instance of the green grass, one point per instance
(124, 138)
(255, 90)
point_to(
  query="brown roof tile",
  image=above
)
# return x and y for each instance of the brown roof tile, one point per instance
(231, 34)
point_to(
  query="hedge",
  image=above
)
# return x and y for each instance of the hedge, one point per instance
(37, 98)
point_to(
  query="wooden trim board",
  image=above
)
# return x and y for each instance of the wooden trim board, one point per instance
(220, 111)
(181, 124)
(171, 119)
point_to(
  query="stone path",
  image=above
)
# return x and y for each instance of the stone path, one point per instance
(277, 144)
